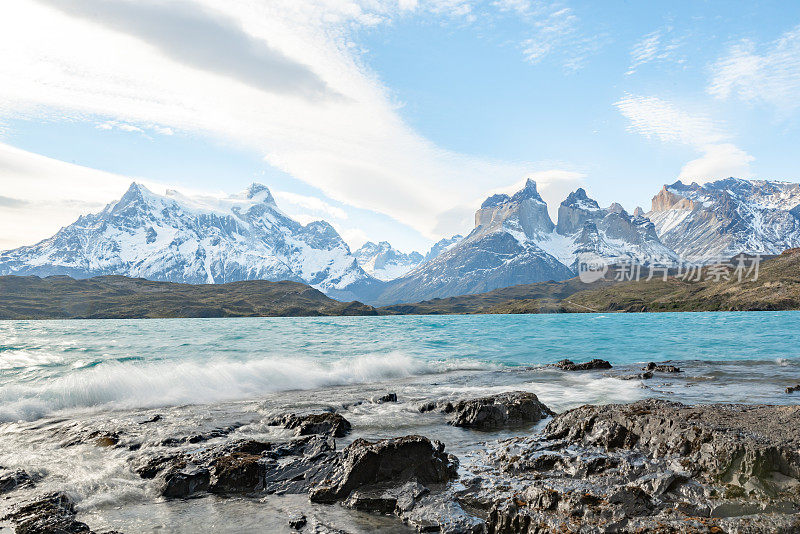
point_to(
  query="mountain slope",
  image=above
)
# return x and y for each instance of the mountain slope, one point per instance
(515, 242)
(119, 297)
(384, 262)
(195, 240)
(501, 251)
(717, 220)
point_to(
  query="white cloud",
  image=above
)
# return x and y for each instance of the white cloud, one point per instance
(657, 118)
(768, 74)
(333, 126)
(307, 208)
(653, 117)
(718, 161)
(652, 47)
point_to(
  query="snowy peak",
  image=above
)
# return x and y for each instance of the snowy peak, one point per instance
(443, 245)
(524, 213)
(723, 218)
(384, 262)
(576, 210)
(197, 239)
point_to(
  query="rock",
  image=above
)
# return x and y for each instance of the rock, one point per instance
(183, 481)
(792, 389)
(298, 522)
(153, 419)
(50, 514)
(661, 368)
(641, 376)
(304, 425)
(568, 365)
(11, 480)
(389, 397)
(497, 411)
(648, 466)
(149, 466)
(389, 460)
(237, 472)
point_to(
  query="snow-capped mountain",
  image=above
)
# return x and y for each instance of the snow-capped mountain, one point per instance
(515, 242)
(500, 251)
(384, 262)
(586, 232)
(196, 240)
(442, 245)
(705, 223)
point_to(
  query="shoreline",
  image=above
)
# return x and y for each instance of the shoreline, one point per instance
(649, 464)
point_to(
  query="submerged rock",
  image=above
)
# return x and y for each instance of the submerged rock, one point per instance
(333, 424)
(569, 365)
(497, 411)
(792, 389)
(661, 368)
(389, 397)
(11, 480)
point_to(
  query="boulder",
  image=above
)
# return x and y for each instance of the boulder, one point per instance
(569, 365)
(51, 514)
(394, 460)
(11, 480)
(497, 411)
(333, 424)
(183, 481)
(237, 472)
(792, 389)
(389, 397)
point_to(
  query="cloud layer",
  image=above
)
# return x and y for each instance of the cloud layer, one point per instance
(280, 78)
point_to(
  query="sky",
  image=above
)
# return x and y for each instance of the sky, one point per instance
(390, 119)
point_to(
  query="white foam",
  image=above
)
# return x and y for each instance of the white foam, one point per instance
(170, 383)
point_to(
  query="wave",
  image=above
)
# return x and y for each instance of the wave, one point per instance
(129, 384)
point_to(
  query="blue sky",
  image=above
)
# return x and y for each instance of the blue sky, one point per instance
(392, 119)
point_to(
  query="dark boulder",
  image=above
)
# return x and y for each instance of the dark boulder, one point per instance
(183, 481)
(237, 472)
(497, 411)
(792, 389)
(390, 460)
(322, 423)
(11, 480)
(389, 397)
(50, 514)
(569, 365)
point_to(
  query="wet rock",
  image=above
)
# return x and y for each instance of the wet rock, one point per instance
(389, 397)
(333, 424)
(647, 375)
(149, 466)
(237, 472)
(792, 389)
(199, 438)
(298, 466)
(568, 365)
(53, 513)
(661, 368)
(183, 481)
(647, 466)
(11, 480)
(497, 411)
(390, 460)
(153, 419)
(298, 522)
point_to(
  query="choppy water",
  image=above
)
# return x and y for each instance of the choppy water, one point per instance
(60, 378)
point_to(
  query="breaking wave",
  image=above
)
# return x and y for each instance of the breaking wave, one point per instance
(168, 383)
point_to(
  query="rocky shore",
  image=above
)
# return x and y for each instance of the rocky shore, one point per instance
(647, 466)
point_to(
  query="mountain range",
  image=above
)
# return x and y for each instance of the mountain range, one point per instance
(246, 236)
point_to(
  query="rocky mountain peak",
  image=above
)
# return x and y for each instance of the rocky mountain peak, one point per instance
(259, 192)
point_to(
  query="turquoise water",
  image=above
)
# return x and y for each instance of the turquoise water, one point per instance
(61, 381)
(47, 366)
